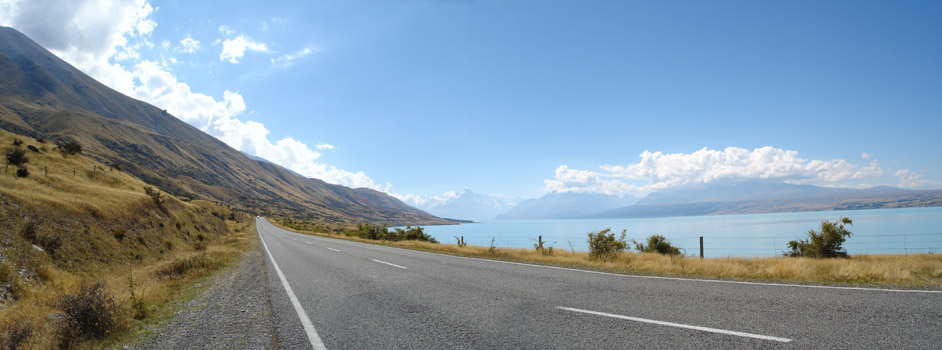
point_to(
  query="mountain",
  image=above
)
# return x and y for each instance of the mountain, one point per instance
(43, 96)
(467, 205)
(751, 197)
(564, 205)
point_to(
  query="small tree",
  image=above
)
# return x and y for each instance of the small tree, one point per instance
(604, 246)
(16, 156)
(155, 196)
(69, 146)
(657, 244)
(824, 244)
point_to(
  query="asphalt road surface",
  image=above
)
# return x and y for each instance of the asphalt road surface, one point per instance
(337, 294)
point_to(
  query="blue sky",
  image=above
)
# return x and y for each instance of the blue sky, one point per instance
(524, 97)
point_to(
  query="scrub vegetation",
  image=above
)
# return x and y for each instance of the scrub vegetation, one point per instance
(921, 271)
(89, 254)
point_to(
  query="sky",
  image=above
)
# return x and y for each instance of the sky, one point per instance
(519, 98)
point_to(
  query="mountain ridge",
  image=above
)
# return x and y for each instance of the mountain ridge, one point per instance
(43, 96)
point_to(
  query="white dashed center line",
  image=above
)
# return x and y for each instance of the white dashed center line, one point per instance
(390, 264)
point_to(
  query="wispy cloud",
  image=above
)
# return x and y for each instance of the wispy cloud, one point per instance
(189, 45)
(234, 49)
(288, 60)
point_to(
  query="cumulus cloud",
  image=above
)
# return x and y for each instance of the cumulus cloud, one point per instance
(189, 45)
(657, 170)
(101, 38)
(234, 49)
(288, 60)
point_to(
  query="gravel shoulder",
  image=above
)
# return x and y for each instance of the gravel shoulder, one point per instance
(233, 311)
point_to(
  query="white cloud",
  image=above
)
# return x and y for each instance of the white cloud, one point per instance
(288, 60)
(865, 155)
(234, 49)
(325, 146)
(226, 30)
(657, 170)
(910, 179)
(189, 45)
(101, 38)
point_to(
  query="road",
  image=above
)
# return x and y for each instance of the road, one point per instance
(349, 295)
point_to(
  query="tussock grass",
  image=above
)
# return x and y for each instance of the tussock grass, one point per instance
(923, 271)
(61, 233)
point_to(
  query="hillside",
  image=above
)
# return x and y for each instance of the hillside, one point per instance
(44, 97)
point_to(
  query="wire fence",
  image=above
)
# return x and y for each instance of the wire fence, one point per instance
(720, 246)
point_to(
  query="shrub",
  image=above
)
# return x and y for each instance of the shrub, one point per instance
(88, 313)
(21, 171)
(69, 146)
(824, 244)
(200, 246)
(15, 335)
(604, 246)
(138, 304)
(461, 242)
(657, 244)
(16, 157)
(180, 267)
(17, 142)
(540, 246)
(119, 234)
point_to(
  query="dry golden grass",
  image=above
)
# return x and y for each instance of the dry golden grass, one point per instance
(923, 271)
(103, 228)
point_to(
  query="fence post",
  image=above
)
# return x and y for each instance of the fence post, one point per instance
(45, 171)
(701, 247)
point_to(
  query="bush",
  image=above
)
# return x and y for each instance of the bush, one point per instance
(69, 146)
(119, 234)
(824, 244)
(657, 244)
(373, 232)
(15, 335)
(88, 313)
(17, 142)
(541, 247)
(604, 246)
(21, 171)
(16, 157)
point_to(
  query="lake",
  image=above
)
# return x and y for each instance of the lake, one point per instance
(875, 231)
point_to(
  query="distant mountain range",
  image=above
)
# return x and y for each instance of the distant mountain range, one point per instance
(467, 205)
(43, 96)
(743, 197)
(565, 205)
(761, 197)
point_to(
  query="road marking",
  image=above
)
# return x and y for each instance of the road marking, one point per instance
(306, 242)
(336, 250)
(312, 336)
(390, 264)
(678, 325)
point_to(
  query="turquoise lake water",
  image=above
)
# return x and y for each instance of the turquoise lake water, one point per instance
(907, 230)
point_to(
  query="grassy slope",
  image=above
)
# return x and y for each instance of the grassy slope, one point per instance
(98, 224)
(922, 271)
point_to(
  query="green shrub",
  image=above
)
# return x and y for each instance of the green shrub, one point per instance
(461, 242)
(69, 146)
(16, 157)
(89, 313)
(657, 244)
(604, 246)
(541, 247)
(825, 244)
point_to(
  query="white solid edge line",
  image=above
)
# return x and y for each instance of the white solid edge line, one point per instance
(307, 242)
(390, 264)
(312, 336)
(336, 250)
(678, 325)
(656, 277)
